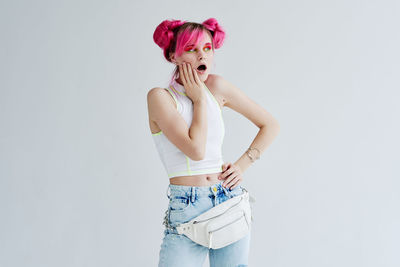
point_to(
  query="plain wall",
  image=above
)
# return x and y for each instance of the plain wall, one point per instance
(81, 183)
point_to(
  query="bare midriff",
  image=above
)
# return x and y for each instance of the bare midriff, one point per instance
(196, 180)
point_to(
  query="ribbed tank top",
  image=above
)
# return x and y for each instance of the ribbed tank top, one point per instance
(175, 162)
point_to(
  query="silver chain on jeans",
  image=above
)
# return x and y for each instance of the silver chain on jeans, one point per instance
(166, 220)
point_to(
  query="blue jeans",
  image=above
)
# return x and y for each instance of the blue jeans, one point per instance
(185, 203)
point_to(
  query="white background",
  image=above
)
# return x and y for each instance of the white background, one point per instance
(81, 183)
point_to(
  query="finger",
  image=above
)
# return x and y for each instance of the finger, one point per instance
(222, 171)
(181, 74)
(196, 78)
(229, 176)
(226, 172)
(185, 73)
(223, 166)
(236, 184)
(230, 180)
(233, 181)
(226, 165)
(190, 72)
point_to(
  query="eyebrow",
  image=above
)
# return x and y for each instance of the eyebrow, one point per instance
(193, 44)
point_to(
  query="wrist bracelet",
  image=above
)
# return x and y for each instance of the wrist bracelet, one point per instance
(250, 156)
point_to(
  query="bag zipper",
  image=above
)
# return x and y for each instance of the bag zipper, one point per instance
(219, 214)
(227, 224)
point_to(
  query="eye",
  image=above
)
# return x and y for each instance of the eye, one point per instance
(207, 48)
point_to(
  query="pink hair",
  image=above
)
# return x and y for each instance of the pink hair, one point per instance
(173, 36)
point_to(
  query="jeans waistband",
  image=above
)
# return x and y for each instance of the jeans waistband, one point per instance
(191, 191)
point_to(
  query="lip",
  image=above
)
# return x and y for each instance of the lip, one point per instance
(202, 71)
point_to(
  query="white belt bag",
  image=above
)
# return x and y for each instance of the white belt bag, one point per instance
(221, 225)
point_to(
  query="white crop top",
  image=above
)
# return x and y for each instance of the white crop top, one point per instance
(175, 162)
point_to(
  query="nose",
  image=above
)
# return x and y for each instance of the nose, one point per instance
(201, 55)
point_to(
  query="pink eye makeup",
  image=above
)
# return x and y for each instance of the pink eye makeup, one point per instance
(190, 48)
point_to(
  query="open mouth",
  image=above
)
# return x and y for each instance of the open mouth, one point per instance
(202, 68)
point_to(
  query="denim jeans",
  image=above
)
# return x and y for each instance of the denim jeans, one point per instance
(186, 203)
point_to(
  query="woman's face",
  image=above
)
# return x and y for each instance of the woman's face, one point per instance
(202, 54)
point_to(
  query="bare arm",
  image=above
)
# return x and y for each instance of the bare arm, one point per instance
(163, 111)
(241, 103)
(198, 128)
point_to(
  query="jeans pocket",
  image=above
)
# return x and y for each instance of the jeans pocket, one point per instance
(236, 191)
(179, 203)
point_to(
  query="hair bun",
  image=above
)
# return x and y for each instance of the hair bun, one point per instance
(163, 34)
(217, 31)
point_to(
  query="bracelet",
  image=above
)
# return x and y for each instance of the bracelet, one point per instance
(250, 156)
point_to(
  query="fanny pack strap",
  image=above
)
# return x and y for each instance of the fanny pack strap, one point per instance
(251, 199)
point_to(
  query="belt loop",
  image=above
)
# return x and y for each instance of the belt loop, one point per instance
(193, 194)
(167, 192)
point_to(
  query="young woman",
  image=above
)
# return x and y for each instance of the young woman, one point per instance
(188, 130)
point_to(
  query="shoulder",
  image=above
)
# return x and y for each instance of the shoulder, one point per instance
(214, 81)
(157, 92)
(219, 86)
(158, 95)
(217, 83)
